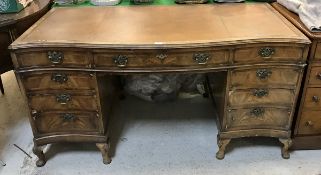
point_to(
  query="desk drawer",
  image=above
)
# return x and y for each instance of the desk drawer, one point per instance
(250, 97)
(58, 80)
(265, 77)
(63, 101)
(310, 123)
(268, 53)
(53, 58)
(57, 122)
(131, 59)
(315, 76)
(258, 118)
(312, 98)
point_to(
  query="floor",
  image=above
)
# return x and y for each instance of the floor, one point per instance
(148, 138)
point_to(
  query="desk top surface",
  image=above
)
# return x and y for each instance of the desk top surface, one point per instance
(160, 26)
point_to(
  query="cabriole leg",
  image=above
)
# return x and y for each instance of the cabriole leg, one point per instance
(41, 156)
(285, 149)
(222, 143)
(104, 149)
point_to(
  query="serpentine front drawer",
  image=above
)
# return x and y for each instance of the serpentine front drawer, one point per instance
(261, 96)
(53, 58)
(58, 80)
(66, 122)
(269, 53)
(258, 118)
(161, 58)
(265, 77)
(63, 100)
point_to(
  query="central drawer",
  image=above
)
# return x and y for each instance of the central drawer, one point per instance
(262, 96)
(265, 77)
(258, 118)
(71, 122)
(63, 101)
(58, 80)
(160, 58)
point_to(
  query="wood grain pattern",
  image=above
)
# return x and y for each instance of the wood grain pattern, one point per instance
(273, 118)
(312, 98)
(78, 101)
(279, 77)
(172, 58)
(310, 123)
(281, 54)
(55, 123)
(30, 59)
(267, 53)
(274, 97)
(43, 81)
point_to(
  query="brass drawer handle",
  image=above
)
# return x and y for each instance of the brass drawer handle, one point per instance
(260, 92)
(161, 56)
(266, 52)
(59, 78)
(257, 112)
(309, 123)
(201, 58)
(315, 99)
(68, 117)
(319, 76)
(63, 98)
(55, 57)
(35, 114)
(263, 73)
(120, 60)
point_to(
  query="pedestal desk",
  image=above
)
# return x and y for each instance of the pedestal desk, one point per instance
(66, 66)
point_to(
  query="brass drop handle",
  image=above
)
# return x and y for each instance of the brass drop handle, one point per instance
(120, 60)
(260, 92)
(266, 52)
(263, 74)
(309, 123)
(161, 56)
(319, 76)
(59, 78)
(315, 99)
(68, 117)
(257, 112)
(35, 114)
(201, 58)
(63, 98)
(55, 57)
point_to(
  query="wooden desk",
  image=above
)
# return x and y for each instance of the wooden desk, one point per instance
(253, 56)
(13, 25)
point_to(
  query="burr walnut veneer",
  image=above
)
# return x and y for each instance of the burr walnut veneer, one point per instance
(253, 58)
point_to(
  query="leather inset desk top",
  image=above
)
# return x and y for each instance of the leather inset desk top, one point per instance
(161, 26)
